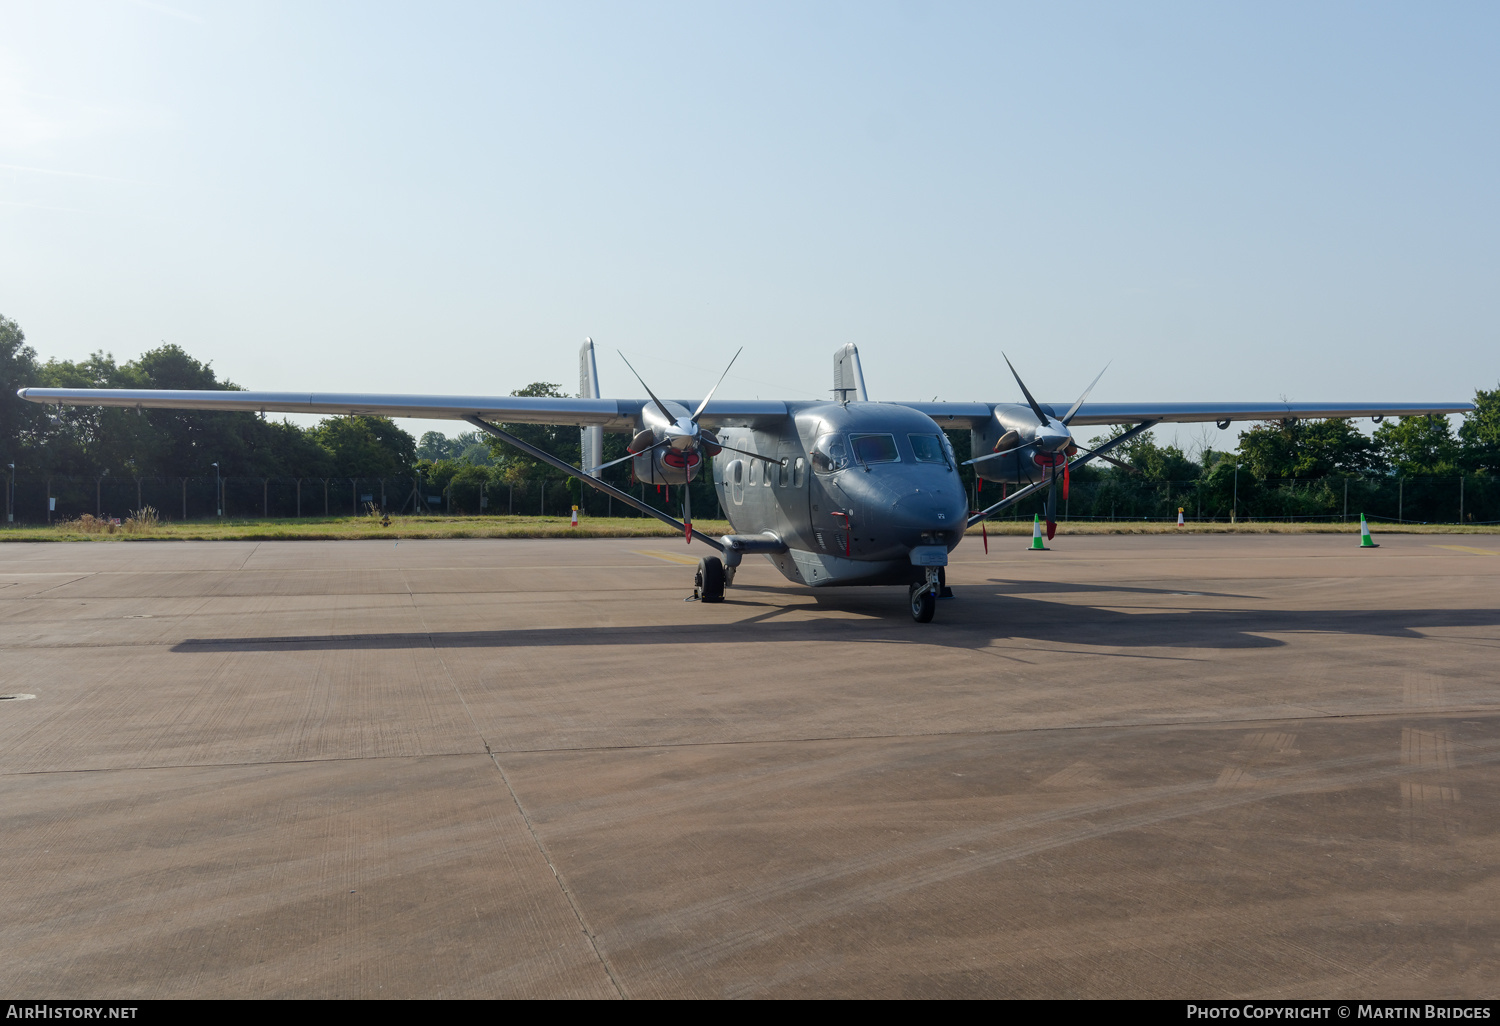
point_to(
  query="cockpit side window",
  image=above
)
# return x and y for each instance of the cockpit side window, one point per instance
(928, 448)
(875, 448)
(829, 455)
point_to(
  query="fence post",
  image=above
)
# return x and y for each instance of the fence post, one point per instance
(1460, 498)
(382, 495)
(138, 493)
(1401, 500)
(299, 497)
(542, 506)
(353, 497)
(49, 500)
(1346, 498)
(265, 498)
(325, 496)
(184, 498)
(98, 496)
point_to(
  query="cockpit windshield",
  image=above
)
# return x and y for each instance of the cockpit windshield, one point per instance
(929, 448)
(829, 454)
(875, 448)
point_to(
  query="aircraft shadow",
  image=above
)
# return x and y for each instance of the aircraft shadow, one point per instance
(1009, 587)
(972, 621)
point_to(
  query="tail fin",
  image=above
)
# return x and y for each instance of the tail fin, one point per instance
(590, 438)
(848, 377)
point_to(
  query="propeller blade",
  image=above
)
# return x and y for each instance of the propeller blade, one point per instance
(659, 404)
(1068, 417)
(993, 455)
(704, 404)
(687, 511)
(1040, 416)
(1052, 505)
(1066, 468)
(752, 455)
(627, 456)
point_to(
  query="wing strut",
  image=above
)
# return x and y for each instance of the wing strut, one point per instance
(1021, 493)
(595, 483)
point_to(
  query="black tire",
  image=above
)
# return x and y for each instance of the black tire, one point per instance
(708, 584)
(923, 605)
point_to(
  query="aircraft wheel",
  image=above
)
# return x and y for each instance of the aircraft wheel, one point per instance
(923, 605)
(708, 584)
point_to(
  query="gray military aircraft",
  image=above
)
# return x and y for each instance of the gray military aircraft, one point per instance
(842, 492)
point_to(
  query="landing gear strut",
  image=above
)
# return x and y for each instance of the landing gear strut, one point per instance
(923, 596)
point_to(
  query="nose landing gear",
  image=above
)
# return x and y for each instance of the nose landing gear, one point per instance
(923, 596)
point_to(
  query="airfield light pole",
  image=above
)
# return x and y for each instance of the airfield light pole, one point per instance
(218, 492)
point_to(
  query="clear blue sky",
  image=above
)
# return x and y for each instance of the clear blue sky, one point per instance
(1230, 201)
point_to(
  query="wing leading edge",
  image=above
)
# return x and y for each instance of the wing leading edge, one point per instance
(610, 414)
(1190, 413)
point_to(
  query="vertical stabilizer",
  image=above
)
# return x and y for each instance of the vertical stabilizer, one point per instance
(590, 438)
(848, 377)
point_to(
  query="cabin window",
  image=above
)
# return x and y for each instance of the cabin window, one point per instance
(799, 472)
(773, 473)
(829, 455)
(928, 448)
(875, 448)
(735, 475)
(755, 472)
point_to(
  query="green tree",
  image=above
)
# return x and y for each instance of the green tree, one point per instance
(561, 441)
(433, 446)
(1307, 448)
(1418, 445)
(19, 419)
(187, 442)
(1155, 462)
(366, 446)
(1479, 434)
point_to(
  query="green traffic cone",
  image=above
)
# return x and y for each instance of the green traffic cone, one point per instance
(1365, 541)
(1036, 535)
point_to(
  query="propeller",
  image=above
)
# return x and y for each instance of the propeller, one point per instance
(686, 436)
(1053, 442)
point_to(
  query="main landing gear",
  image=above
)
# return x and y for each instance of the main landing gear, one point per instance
(708, 583)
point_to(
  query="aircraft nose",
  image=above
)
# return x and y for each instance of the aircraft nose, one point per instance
(929, 511)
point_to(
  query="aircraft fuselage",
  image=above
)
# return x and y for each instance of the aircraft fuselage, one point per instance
(869, 493)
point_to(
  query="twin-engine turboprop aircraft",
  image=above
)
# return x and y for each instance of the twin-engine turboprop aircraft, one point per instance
(844, 492)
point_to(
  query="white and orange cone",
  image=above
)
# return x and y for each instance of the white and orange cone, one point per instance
(575, 516)
(1179, 516)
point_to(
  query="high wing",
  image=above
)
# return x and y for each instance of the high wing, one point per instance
(610, 414)
(1188, 413)
(624, 414)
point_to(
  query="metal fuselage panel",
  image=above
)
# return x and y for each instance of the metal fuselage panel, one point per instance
(854, 524)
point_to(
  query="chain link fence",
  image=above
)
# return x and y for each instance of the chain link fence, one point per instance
(1222, 497)
(41, 500)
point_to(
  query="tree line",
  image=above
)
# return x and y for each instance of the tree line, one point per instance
(470, 471)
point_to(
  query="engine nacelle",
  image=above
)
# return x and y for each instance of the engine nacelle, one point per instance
(667, 464)
(1013, 430)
